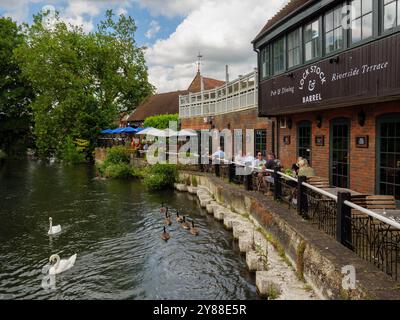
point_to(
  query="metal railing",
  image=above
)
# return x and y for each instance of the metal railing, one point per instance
(372, 236)
(239, 94)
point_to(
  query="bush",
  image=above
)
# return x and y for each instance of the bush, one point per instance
(2, 155)
(117, 155)
(160, 121)
(160, 176)
(121, 170)
(70, 153)
(194, 181)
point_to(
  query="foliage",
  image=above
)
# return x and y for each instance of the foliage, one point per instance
(82, 81)
(15, 93)
(161, 176)
(2, 155)
(289, 172)
(71, 152)
(160, 121)
(117, 155)
(194, 181)
(121, 170)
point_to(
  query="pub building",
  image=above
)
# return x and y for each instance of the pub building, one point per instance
(329, 72)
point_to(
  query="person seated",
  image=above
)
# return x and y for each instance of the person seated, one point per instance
(219, 153)
(305, 170)
(259, 162)
(296, 166)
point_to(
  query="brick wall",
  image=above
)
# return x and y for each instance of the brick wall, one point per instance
(362, 160)
(247, 119)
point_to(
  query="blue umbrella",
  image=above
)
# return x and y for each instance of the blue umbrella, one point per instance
(129, 130)
(106, 131)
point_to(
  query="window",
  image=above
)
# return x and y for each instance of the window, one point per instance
(333, 30)
(391, 14)
(265, 62)
(279, 55)
(260, 143)
(304, 140)
(312, 41)
(362, 20)
(294, 48)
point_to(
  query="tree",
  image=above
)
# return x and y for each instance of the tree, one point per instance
(161, 121)
(15, 93)
(82, 82)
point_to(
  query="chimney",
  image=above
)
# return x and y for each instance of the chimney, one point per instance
(226, 73)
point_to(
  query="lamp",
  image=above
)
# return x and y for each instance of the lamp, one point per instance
(361, 118)
(319, 121)
(334, 60)
(290, 75)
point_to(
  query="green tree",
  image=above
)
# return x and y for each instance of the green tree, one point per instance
(161, 121)
(82, 82)
(15, 93)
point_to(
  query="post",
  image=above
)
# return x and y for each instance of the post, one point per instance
(343, 219)
(217, 170)
(231, 172)
(277, 184)
(300, 194)
(247, 180)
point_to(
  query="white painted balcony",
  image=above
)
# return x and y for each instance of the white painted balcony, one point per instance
(237, 95)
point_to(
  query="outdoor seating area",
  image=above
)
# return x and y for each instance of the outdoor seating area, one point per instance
(369, 225)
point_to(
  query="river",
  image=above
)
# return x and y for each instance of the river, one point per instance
(114, 226)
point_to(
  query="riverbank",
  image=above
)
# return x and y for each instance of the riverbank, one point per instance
(316, 258)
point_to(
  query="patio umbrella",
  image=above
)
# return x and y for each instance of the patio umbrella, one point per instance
(129, 130)
(187, 133)
(106, 131)
(145, 130)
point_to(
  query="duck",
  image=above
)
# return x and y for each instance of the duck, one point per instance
(61, 265)
(163, 208)
(185, 225)
(178, 217)
(167, 220)
(165, 235)
(53, 229)
(193, 230)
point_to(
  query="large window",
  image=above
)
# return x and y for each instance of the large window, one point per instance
(391, 14)
(362, 20)
(333, 30)
(304, 140)
(294, 48)
(260, 143)
(265, 62)
(279, 55)
(312, 41)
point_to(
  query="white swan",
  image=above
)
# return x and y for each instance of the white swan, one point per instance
(53, 229)
(61, 265)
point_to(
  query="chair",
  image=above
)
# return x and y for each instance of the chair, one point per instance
(318, 182)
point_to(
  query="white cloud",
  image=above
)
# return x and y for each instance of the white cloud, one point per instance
(221, 30)
(154, 28)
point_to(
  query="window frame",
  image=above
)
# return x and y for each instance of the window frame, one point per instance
(263, 151)
(320, 40)
(300, 30)
(269, 73)
(274, 73)
(381, 19)
(344, 31)
(375, 32)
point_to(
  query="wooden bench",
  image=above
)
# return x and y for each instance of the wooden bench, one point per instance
(380, 202)
(318, 182)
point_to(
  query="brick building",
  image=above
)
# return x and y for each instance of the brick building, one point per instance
(168, 103)
(334, 89)
(232, 106)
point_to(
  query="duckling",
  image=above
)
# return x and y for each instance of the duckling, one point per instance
(163, 208)
(167, 220)
(193, 230)
(185, 225)
(178, 217)
(165, 235)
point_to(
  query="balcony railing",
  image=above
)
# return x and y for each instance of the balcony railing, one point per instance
(240, 94)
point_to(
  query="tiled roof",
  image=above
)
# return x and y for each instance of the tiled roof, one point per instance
(209, 83)
(290, 7)
(162, 103)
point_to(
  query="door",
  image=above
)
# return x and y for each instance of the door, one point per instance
(339, 153)
(388, 156)
(304, 140)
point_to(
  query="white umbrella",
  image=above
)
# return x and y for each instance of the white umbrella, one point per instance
(145, 131)
(187, 133)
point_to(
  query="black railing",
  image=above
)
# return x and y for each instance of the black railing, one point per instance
(372, 239)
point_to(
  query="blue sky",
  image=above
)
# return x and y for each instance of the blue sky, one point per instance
(174, 31)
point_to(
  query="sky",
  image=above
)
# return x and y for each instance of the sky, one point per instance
(174, 32)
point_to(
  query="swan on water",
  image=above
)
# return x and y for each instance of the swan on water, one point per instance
(61, 265)
(53, 229)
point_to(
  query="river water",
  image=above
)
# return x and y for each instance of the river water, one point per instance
(114, 226)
